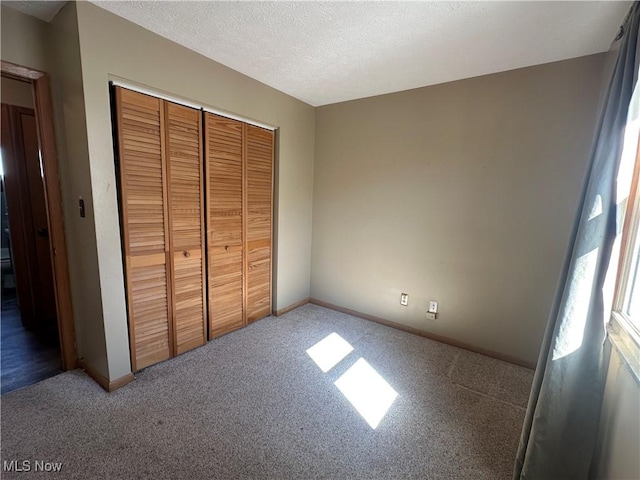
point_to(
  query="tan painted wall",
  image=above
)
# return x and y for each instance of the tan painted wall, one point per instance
(17, 93)
(54, 48)
(71, 141)
(619, 442)
(463, 193)
(24, 39)
(112, 47)
(448, 192)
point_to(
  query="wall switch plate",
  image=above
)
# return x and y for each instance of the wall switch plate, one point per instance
(404, 299)
(433, 306)
(431, 316)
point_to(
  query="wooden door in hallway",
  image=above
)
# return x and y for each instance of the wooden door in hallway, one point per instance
(28, 223)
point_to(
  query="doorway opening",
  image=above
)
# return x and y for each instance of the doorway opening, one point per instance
(36, 331)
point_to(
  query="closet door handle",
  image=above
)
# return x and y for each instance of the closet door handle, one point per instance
(226, 247)
(185, 253)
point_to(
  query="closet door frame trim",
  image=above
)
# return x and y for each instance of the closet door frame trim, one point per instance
(40, 85)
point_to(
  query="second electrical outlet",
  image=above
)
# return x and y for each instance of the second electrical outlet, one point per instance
(433, 306)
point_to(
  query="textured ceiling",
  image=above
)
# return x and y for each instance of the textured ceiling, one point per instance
(44, 10)
(327, 52)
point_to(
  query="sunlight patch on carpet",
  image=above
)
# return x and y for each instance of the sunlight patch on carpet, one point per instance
(367, 391)
(329, 351)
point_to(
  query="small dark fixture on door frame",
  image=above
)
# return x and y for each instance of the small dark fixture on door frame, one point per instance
(46, 139)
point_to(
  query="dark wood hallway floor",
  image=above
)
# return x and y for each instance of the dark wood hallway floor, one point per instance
(25, 357)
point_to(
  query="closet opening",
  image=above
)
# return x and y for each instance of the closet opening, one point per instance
(195, 191)
(37, 338)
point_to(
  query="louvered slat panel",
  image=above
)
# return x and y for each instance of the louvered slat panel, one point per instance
(259, 154)
(143, 200)
(223, 140)
(186, 191)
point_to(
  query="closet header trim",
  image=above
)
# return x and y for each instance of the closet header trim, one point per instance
(186, 103)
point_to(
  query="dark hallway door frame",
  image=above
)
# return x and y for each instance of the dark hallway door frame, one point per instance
(46, 139)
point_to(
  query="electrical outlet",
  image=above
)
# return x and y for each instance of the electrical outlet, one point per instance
(433, 306)
(404, 299)
(431, 316)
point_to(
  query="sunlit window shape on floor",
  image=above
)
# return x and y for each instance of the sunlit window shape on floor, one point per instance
(367, 391)
(329, 351)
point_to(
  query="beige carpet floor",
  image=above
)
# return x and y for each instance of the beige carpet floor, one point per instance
(253, 404)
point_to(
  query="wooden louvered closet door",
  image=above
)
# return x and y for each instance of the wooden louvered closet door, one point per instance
(259, 165)
(224, 174)
(186, 214)
(140, 122)
(163, 207)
